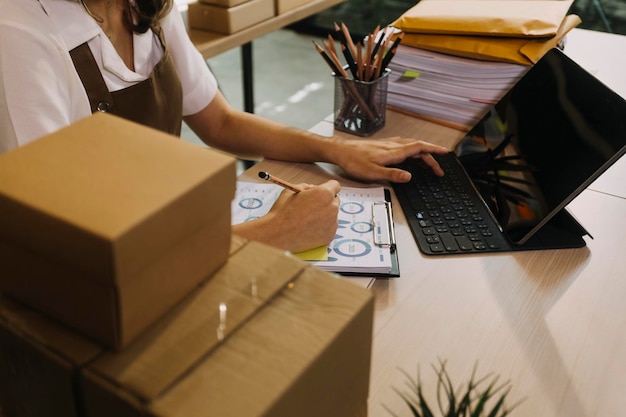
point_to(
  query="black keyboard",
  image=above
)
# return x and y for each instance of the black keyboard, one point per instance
(446, 214)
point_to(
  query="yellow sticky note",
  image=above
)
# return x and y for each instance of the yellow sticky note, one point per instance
(315, 254)
(411, 74)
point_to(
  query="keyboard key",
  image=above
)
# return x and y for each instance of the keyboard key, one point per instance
(437, 247)
(449, 242)
(464, 243)
(433, 239)
(493, 243)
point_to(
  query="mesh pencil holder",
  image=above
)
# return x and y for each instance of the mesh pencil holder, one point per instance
(360, 106)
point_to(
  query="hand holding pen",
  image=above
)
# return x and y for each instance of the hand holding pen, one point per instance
(298, 221)
(285, 184)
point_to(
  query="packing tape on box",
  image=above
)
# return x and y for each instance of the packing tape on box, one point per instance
(202, 322)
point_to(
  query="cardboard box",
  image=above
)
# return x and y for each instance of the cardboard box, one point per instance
(223, 3)
(108, 224)
(229, 19)
(39, 364)
(283, 6)
(294, 341)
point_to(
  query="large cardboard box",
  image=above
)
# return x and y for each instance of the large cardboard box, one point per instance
(228, 20)
(107, 224)
(268, 335)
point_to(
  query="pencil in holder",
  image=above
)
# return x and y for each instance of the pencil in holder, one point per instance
(360, 106)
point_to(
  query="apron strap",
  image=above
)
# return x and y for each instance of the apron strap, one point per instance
(100, 99)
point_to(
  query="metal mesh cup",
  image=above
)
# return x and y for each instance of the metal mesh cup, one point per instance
(360, 107)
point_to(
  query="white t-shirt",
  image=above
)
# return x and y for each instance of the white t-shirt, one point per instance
(40, 91)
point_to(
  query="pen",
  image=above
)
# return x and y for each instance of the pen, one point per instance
(266, 176)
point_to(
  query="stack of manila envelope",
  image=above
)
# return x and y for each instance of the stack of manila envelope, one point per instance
(516, 31)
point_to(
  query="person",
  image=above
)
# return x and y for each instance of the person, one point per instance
(62, 60)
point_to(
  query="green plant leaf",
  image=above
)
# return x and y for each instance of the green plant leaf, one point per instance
(409, 402)
(423, 404)
(389, 411)
(474, 399)
(497, 407)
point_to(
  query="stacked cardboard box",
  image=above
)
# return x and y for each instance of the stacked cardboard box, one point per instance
(229, 16)
(132, 298)
(107, 224)
(267, 335)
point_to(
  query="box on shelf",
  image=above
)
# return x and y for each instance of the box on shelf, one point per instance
(283, 6)
(107, 224)
(229, 20)
(223, 3)
(268, 335)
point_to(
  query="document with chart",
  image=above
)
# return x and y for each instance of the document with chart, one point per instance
(364, 244)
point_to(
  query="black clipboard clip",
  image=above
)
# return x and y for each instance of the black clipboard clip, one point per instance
(382, 220)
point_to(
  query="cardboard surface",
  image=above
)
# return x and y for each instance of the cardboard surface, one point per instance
(229, 19)
(98, 218)
(39, 362)
(189, 332)
(306, 355)
(223, 3)
(283, 6)
(295, 341)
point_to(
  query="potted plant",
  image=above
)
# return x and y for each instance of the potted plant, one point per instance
(480, 397)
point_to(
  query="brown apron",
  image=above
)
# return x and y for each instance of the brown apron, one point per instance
(156, 102)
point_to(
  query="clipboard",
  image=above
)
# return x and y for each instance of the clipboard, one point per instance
(364, 244)
(384, 237)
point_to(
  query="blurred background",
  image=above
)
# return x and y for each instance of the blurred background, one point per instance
(293, 85)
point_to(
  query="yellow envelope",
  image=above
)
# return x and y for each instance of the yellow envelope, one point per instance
(516, 18)
(526, 51)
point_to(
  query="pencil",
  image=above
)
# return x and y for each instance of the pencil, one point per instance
(381, 54)
(381, 34)
(368, 57)
(333, 56)
(359, 62)
(391, 52)
(346, 51)
(324, 55)
(348, 39)
(266, 176)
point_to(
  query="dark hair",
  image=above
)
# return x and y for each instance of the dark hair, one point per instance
(147, 13)
(142, 14)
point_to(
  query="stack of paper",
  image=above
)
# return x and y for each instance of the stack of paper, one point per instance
(447, 89)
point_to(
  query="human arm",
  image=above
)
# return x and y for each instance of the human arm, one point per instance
(248, 135)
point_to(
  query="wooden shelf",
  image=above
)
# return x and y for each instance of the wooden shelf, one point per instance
(211, 44)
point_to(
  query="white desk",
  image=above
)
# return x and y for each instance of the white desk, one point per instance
(551, 322)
